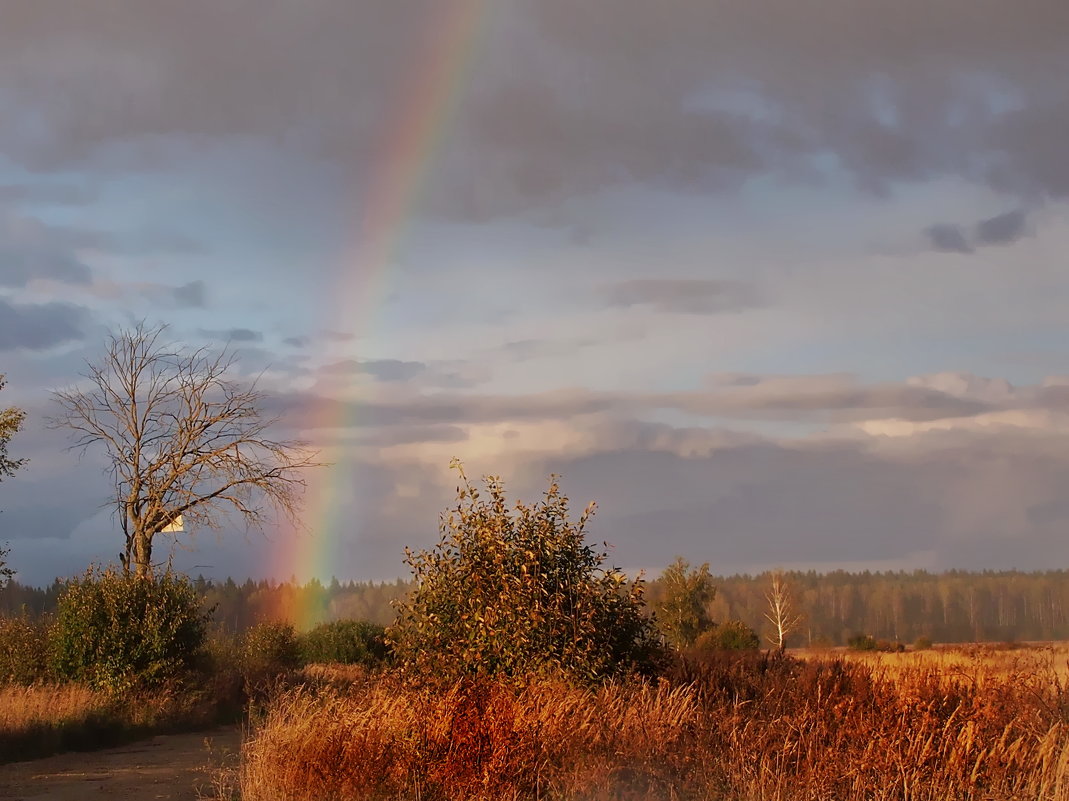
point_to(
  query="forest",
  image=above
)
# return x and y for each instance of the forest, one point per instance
(952, 607)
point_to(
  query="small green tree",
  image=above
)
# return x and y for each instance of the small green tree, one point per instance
(517, 590)
(11, 420)
(6, 573)
(732, 635)
(683, 611)
(116, 631)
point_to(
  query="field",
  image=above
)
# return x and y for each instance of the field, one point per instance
(973, 723)
(976, 722)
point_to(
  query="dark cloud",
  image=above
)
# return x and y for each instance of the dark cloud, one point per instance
(189, 296)
(296, 342)
(681, 295)
(37, 327)
(392, 369)
(1002, 229)
(238, 335)
(562, 100)
(949, 238)
(30, 249)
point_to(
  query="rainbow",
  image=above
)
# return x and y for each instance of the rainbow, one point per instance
(433, 89)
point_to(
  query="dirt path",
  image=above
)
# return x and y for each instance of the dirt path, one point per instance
(177, 767)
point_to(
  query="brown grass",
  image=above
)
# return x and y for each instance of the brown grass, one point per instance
(22, 708)
(43, 719)
(759, 729)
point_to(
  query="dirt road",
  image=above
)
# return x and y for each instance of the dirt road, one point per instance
(176, 767)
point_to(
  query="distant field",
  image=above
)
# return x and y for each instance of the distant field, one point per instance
(981, 659)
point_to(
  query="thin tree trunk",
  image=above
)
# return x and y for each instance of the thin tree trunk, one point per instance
(143, 554)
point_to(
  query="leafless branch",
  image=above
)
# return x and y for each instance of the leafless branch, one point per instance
(181, 439)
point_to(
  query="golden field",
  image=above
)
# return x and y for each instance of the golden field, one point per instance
(970, 723)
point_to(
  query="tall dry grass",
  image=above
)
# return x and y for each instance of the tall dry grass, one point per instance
(758, 728)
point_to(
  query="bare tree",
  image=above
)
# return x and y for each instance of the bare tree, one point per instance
(781, 612)
(182, 440)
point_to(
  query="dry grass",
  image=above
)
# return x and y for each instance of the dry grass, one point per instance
(23, 708)
(755, 729)
(979, 660)
(43, 719)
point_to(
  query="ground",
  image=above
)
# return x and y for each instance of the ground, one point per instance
(177, 767)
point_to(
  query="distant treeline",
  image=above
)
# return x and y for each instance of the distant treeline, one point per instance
(956, 606)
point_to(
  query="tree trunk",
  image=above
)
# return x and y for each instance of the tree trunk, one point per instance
(143, 554)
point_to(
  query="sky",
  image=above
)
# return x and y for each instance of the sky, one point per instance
(776, 283)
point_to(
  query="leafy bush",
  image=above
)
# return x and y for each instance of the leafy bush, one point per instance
(115, 631)
(922, 643)
(23, 650)
(346, 642)
(732, 635)
(861, 642)
(270, 648)
(517, 590)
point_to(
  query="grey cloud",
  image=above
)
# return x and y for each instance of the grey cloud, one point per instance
(949, 238)
(296, 342)
(380, 369)
(522, 350)
(681, 295)
(30, 249)
(835, 397)
(1002, 229)
(57, 194)
(38, 327)
(827, 398)
(562, 100)
(413, 434)
(234, 335)
(392, 369)
(190, 296)
(311, 411)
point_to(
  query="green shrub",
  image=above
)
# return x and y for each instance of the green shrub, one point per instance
(732, 635)
(513, 590)
(23, 650)
(922, 643)
(115, 631)
(861, 642)
(268, 649)
(346, 642)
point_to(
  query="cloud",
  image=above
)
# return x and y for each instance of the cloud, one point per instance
(189, 296)
(1002, 229)
(233, 334)
(31, 250)
(557, 103)
(681, 295)
(48, 193)
(837, 397)
(948, 238)
(380, 369)
(38, 327)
